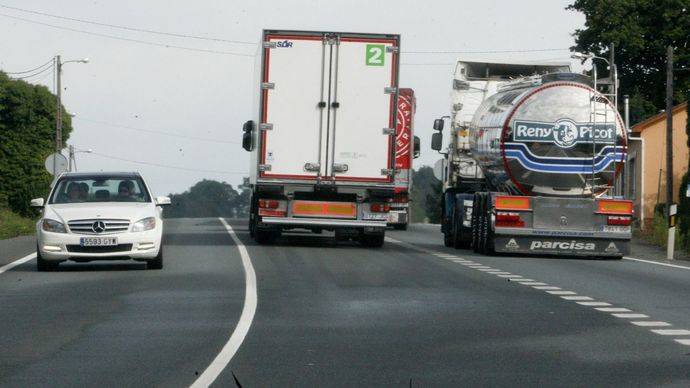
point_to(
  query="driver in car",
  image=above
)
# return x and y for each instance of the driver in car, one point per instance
(125, 191)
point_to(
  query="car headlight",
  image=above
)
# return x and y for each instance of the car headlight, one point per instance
(53, 226)
(145, 224)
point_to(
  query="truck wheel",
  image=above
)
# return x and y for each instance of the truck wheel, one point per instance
(264, 237)
(475, 224)
(448, 239)
(457, 231)
(372, 240)
(400, 226)
(483, 223)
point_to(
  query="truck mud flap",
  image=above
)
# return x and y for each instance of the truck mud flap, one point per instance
(562, 246)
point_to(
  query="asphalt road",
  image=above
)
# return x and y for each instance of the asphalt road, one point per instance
(412, 313)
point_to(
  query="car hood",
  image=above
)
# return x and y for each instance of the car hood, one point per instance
(106, 210)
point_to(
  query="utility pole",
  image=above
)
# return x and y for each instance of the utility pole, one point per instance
(71, 157)
(58, 119)
(670, 208)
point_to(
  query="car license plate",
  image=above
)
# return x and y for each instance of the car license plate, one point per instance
(97, 241)
(617, 228)
(375, 216)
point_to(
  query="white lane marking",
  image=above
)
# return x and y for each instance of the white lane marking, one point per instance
(248, 310)
(562, 292)
(592, 304)
(650, 323)
(17, 262)
(671, 332)
(576, 297)
(524, 280)
(683, 341)
(547, 288)
(486, 269)
(630, 315)
(509, 276)
(613, 309)
(656, 263)
(533, 284)
(500, 273)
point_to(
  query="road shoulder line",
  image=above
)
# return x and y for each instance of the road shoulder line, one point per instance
(17, 262)
(248, 310)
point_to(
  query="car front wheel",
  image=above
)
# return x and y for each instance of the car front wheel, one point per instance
(43, 265)
(156, 263)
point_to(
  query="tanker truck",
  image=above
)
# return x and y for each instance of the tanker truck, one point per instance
(532, 168)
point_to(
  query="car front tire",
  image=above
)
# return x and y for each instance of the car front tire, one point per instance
(156, 263)
(43, 265)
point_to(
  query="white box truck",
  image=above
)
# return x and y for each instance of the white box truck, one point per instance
(322, 141)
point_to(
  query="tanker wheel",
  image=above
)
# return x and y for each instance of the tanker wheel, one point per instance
(448, 239)
(457, 231)
(483, 224)
(473, 225)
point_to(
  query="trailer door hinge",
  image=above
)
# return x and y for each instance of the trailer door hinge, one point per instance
(340, 167)
(264, 167)
(313, 167)
(388, 131)
(265, 126)
(390, 90)
(268, 85)
(270, 45)
(387, 171)
(392, 49)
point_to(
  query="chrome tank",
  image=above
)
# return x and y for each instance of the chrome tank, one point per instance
(534, 137)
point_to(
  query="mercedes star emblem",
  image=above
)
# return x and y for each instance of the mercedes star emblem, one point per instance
(98, 227)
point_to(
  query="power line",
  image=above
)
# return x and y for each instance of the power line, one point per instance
(158, 132)
(177, 35)
(127, 39)
(35, 74)
(50, 62)
(484, 52)
(168, 166)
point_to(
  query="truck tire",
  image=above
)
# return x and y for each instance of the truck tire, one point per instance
(372, 240)
(264, 237)
(400, 226)
(483, 224)
(448, 239)
(474, 241)
(457, 231)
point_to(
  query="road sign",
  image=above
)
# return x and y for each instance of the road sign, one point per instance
(56, 164)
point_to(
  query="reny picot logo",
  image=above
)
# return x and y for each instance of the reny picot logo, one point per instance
(565, 133)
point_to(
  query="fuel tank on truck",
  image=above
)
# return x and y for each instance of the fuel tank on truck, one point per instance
(550, 135)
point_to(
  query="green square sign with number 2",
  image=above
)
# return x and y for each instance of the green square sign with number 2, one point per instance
(375, 54)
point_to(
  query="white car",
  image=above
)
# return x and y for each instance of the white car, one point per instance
(99, 216)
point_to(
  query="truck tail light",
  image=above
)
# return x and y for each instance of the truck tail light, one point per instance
(614, 206)
(380, 207)
(619, 220)
(272, 208)
(506, 202)
(509, 220)
(401, 198)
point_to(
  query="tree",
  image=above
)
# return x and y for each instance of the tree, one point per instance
(640, 30)
(27, 133)
(209, 198)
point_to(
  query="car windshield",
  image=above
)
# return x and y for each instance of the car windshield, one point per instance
(100, 189)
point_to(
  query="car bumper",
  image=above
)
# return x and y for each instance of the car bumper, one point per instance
(66, 246)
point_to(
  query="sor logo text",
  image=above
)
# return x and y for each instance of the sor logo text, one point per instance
(284, 44)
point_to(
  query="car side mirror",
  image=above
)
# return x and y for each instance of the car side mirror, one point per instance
(248, 129)
(438, 125)
(437, 141)
(162, 201)
(417, 147)
(37, 203)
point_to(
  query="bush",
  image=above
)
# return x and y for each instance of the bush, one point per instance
(12, 225)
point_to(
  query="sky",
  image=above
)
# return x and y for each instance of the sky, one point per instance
(175, 114)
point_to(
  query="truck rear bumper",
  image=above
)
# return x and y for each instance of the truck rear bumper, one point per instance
(397, 216)
(562, 246)
(322, 222)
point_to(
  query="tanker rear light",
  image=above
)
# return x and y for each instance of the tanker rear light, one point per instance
(515, 203)
(380, 207)
(619, 220)
(509, 220)
(614, 206)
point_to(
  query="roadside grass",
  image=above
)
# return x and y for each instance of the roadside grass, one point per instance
(657, 235)
(13, 225)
